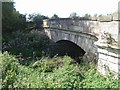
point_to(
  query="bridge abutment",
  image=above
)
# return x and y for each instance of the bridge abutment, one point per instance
(108, 59)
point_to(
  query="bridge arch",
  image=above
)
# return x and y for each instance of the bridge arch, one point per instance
(66, 47)
(84, 33)
(83, 40)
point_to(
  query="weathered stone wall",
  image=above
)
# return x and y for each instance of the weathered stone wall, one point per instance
(83, 40)
(84, 33)
(109, 59)
(109, 48)
(86, 26)
(111, 28)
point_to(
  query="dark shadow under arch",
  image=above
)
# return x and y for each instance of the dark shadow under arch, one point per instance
(65, 47)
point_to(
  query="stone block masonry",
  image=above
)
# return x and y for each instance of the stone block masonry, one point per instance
(108, 60)
(100, 40)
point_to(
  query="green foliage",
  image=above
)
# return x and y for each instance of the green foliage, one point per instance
(26, 43)
(36, 21)
(37, 17)
(9, 69)
(11, 19)
(87, 16)
(67, 76)
(64, 73)
(55, 16)
(95, 17)
(50, 64)
(57, 72)
(74, 15)
(105, 17)
(95, 80)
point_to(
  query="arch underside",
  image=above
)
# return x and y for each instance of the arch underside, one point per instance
(87, 44)
(69, 48)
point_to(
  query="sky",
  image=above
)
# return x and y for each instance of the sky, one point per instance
(63, 8)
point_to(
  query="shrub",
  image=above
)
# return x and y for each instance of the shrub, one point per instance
(9, 69)
(57, 72)
(50, 73)
(65, 77)
(29, 44)
(50, 64)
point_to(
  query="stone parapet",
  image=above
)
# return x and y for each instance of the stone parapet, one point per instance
(85, 26)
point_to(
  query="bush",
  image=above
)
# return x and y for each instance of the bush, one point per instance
(50, 73)
(57, 72)
(67, 76)
(9, 69)
(50, 64)
(28, 44)
(93, 79)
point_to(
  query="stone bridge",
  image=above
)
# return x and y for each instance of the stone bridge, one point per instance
(99, 40)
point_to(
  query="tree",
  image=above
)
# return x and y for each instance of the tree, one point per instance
(37, 19)
(87, 16)
(116, 15)
(11, 19)
(95, 17)
(55, 16)
(105, 17)
(74, 15)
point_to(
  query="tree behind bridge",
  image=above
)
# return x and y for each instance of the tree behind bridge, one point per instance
(37, 19)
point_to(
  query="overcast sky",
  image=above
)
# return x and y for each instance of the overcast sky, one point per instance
(63, 8)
